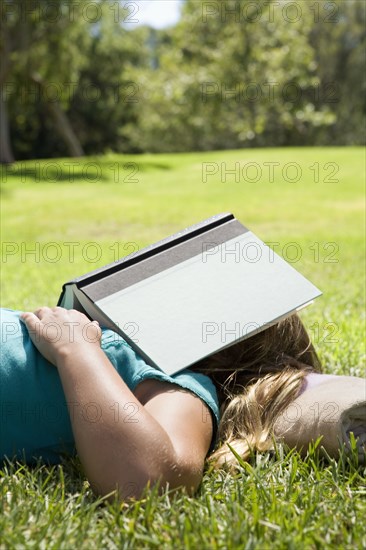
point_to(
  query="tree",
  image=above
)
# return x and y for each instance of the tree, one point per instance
(6, 27)
(105, 97)
(230, 74)
(339, 40)
(241, 79)
(41, 54)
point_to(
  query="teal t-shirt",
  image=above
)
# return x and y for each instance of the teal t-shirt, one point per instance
(34, 416)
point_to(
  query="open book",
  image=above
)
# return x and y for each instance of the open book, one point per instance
(192, 294)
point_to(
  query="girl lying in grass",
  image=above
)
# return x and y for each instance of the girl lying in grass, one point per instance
(68, 385)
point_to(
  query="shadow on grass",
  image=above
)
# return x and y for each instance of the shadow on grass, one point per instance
(86, 170)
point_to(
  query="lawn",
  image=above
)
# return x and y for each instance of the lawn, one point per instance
(64, 217)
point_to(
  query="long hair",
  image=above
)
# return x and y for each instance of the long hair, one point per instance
(256, 379)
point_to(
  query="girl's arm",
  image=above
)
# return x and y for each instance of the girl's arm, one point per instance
(122, 443)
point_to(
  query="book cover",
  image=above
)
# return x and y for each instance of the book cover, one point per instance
(190, 295)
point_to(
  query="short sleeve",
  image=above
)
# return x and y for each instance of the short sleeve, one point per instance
(134, 370)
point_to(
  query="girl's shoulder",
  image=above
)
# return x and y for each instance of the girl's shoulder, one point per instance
(135, 370)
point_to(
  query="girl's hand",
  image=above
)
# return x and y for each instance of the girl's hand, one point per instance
(58, 331)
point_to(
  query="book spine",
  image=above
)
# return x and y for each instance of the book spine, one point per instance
(62, 295)
(151, 250)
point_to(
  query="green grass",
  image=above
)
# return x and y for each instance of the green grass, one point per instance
(279, 501)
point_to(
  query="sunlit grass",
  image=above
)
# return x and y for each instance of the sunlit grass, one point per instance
(56, 224)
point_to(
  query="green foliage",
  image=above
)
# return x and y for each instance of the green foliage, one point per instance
(230, 74)
(105, 96)
(235, 83)
(48, 42)
(340, 54)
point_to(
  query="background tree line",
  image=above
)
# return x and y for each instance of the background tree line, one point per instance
(76, 79)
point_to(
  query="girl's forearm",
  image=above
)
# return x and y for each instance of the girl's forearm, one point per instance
(119, 443)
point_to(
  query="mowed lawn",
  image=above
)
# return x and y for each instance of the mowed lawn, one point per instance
(62, 218)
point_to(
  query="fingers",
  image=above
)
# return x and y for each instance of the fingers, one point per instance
(38, 313)
(32, 322)
(30, 318)
(50, 323)
(41, 311)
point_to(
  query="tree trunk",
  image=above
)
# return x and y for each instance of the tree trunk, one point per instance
(62, 123)
(64, 129)
(6, 152)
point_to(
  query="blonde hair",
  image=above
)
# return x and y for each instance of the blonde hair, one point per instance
(256, 380)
